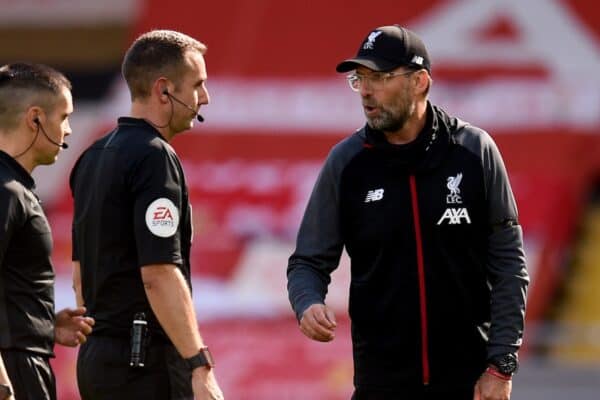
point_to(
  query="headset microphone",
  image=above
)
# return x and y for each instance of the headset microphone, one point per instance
(198, 116)
(62, 145)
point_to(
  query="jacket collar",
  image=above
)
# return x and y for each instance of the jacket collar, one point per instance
(422, 153)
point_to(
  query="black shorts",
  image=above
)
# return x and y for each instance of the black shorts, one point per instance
(31, 375)
(424, 393)
(103, 372)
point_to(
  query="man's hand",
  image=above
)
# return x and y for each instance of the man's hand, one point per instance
(3, 394)
(318, 323)
(489, 387)
(71, 327)
(205, 385)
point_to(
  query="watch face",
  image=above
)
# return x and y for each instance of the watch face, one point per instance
(508, 364)
(208, 356)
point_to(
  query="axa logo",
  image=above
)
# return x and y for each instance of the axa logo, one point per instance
(455, 216)
(374, 195)
(371, 40)
(452, 184)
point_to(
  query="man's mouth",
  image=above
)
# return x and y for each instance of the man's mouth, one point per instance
(369, 109)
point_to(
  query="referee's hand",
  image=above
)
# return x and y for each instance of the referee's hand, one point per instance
(318, 323)
(72, 327)
(205, 385)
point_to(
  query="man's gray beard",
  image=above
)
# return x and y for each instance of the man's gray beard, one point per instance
(389, 122)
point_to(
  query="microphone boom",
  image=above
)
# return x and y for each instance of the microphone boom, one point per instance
(199, 117)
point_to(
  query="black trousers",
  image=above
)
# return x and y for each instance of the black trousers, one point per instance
(425, 393)
(103, 372)
(30, 374)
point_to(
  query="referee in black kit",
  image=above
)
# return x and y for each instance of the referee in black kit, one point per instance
(132, 234)
(35, 104)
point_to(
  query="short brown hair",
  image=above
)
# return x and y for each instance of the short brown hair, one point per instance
(154, 54)
(23, 85)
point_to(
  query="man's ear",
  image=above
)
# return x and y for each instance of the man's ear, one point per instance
(161, 88)
(422, 82)
(34, 117)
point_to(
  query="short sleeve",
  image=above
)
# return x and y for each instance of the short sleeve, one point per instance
(9, 216)
(74, 250)
(156, 188)
(72, 180)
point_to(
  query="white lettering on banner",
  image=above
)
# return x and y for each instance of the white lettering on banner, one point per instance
(549, 35)
(252, 198)
(322, 106)
(261, 177)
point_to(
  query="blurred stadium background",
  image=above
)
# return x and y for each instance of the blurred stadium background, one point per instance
(525, 70)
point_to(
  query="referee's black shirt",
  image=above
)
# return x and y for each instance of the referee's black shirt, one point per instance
(131, 210)
(26, 273)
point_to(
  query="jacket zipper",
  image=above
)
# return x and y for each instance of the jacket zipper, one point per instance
(421, 275)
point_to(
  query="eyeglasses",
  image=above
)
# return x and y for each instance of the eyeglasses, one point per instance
(375, 81)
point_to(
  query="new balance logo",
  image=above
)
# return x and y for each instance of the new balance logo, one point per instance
(417, 60)
(374, 195)
(454, 216)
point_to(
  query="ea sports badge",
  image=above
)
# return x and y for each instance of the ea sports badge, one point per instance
(162, 217)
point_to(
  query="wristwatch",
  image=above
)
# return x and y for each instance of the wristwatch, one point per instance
(202, 359)
(506, 364)
(5, 391)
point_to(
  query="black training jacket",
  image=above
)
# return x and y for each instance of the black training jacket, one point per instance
(437, 263)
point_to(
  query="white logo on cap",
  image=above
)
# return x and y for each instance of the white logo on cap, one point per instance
(371, 40)
(417, 60)
(162, 217)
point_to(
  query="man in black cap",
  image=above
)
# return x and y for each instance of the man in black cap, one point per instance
(422, 203)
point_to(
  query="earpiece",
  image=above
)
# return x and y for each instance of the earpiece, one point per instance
(62, 145)
(171, 97)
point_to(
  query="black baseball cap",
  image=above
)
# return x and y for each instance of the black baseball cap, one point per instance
(387, 48)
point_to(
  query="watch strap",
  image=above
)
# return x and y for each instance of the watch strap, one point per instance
(202, 359)
(494, 372)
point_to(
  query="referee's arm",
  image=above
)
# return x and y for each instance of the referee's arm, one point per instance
(4, 379)
(77, 283)
(7, 204)
(171, 302)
